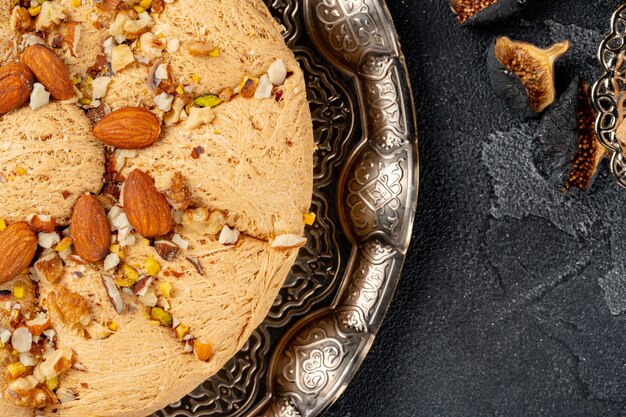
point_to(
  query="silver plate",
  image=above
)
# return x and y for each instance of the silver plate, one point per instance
(604, 93)
(324, 321)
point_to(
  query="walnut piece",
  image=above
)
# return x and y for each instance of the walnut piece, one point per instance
(50, 267)
(51, 15)
(21, 20)
(203, 221)
(60, 361)
(178, 195)
(72, 308)
(26, 392)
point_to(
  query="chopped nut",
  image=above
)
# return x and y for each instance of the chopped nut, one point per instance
(309, 219)
(43, 223)
(118, 250)
(173, 45)
(248, 87)
(48, 240)
(141, 287)
(21, 20)
(34, 11)
(71, 37)
(199, 116)
(277, 72)
(16, 369)
(70, 306)
(226, 94)
(60, 361)
(197, 152)
(165, 288)
(99, 67)
(209, 100)
(64, 244)
(198, 48)
(121, 57)
(196, 264)
(149, 299)
(39, 97)
(176, 113)
(164, 101)
(178, 195)
(146, 4)
(39, 324)
(111, 261)
(152, 267)
(135, 28)
(52, 383)
(158, 6)
(99, 87)
(264, 89)
(288, 241)
(182, 331)
(202, 221)
(19, 292)
(51, 15)
(229, 236)
(203, 350)
(130, 273)
(50, 267)
(162, 316)
(26, 392)
(114, 293)
(22, 339)
(166, 250)
(151, 46)
(182, 243)
(116, 28)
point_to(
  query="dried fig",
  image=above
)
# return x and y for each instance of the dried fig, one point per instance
(523, 74)
(567, 151)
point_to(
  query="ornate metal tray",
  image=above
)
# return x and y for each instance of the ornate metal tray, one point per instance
(606, 92)
(327, 314)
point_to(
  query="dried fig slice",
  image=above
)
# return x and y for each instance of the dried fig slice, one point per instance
(589, 152)
(523, 75)
(478, 12)
(567, 151)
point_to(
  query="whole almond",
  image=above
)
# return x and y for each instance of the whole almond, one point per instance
(90, 229)
(128, 128)
(50, 70)
(16, 84)
(18, 245)
(146, 208)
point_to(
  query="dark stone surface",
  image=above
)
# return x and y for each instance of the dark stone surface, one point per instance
(513, 300)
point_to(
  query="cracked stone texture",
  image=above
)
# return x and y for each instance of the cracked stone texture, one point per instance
(513, 300)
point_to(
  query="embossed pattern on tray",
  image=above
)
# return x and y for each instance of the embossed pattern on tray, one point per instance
(366, 174)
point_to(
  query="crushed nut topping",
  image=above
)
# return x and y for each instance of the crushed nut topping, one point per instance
(70, 306)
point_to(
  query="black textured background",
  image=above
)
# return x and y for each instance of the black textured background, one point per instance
(513, 298)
